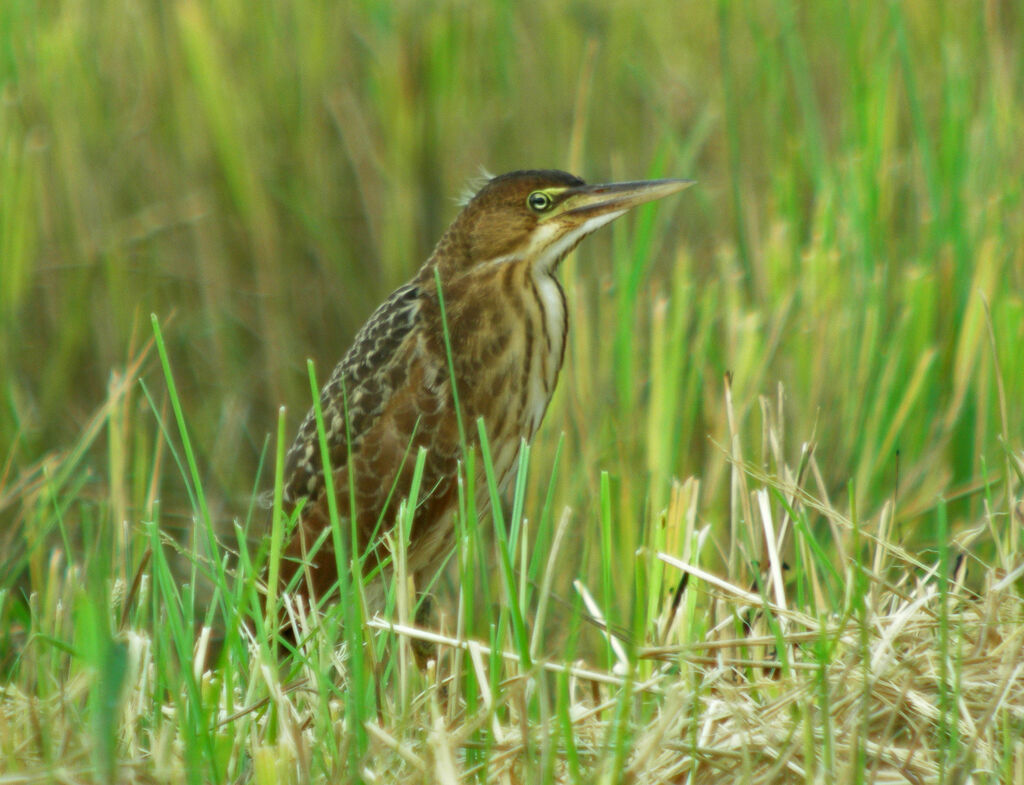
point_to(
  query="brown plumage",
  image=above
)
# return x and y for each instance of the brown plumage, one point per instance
(507, 322)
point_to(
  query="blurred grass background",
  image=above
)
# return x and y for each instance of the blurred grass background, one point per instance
(260, 176)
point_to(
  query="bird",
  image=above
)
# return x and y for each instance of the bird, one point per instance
(482, 325)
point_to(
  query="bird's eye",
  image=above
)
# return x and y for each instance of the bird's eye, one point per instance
(539, 201)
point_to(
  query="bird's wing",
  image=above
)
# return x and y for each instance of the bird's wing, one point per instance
(363, 383)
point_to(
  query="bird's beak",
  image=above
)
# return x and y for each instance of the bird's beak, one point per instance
(586, 201)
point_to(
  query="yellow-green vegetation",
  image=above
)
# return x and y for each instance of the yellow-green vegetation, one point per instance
(772, 529)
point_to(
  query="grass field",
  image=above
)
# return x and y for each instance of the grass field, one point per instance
(798, 383)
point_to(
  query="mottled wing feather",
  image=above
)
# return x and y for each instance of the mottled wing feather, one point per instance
(365, 380)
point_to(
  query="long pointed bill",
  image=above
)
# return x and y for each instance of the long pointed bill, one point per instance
(592, 200)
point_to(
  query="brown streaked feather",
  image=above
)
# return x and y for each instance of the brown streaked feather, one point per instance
(493, 328)
(365, 380)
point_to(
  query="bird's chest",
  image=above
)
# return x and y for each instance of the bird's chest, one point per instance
(518, 342)
(548, 347)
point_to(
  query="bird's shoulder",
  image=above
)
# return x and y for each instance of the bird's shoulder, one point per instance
(377, 340)
(368, 375)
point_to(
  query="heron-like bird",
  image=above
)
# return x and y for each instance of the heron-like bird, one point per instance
(392, 393)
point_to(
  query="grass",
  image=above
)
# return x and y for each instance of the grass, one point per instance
(770, 530)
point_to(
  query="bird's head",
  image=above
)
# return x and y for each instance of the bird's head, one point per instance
(538, 216)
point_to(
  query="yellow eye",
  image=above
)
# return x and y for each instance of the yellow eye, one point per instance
(539, 201)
